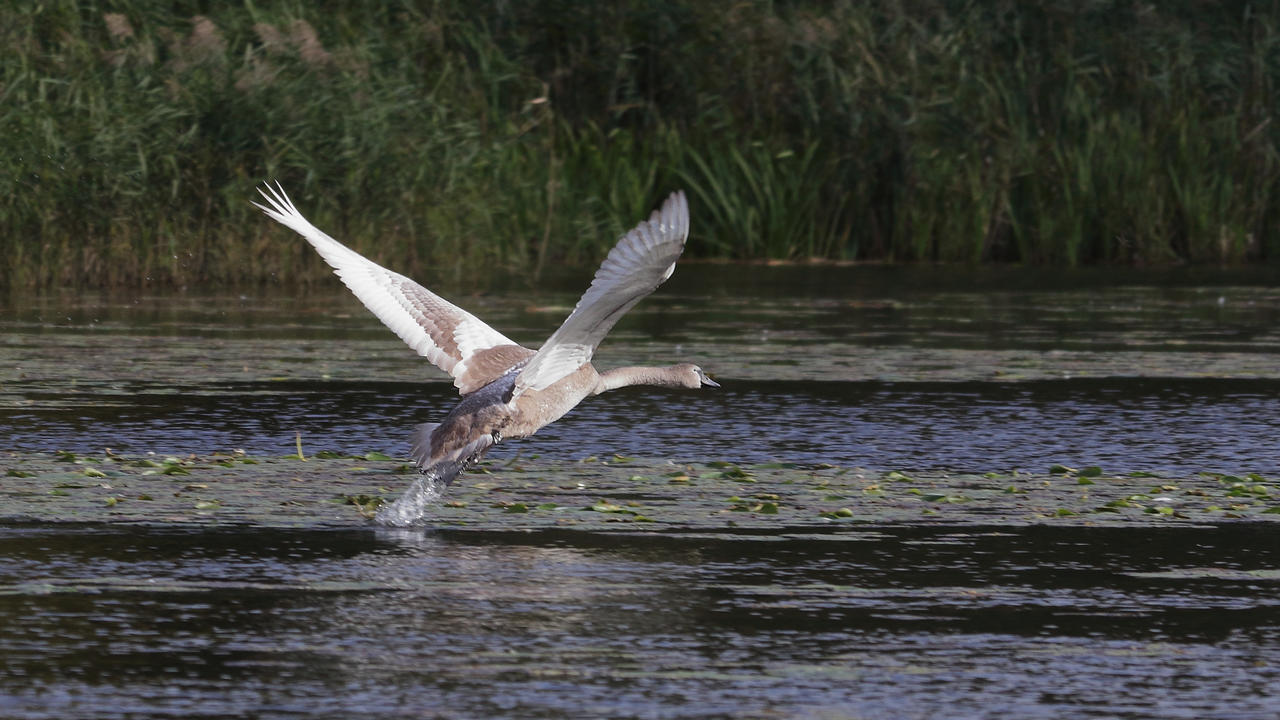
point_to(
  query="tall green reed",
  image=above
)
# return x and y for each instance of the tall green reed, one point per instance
(446, 137)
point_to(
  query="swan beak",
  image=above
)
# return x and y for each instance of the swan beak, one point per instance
(709, 382)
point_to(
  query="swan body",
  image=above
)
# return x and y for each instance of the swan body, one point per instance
(510, 391)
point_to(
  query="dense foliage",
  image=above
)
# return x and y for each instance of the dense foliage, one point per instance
(440, 136)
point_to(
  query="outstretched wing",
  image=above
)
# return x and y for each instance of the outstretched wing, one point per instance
(641, 261)
(453, 339)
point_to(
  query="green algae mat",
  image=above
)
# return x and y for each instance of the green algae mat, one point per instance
(608, 495)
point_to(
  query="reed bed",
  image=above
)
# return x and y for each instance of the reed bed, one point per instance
(444, 137)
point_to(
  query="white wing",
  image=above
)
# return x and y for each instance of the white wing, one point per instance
(641, 261)
(453, 339)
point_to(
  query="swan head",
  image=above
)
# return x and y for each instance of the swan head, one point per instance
(692, 376)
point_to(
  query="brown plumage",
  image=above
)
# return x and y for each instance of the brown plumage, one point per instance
(508, 391)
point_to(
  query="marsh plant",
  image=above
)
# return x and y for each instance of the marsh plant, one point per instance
(449, 136)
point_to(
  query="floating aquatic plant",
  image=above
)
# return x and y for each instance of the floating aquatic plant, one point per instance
(596, 497)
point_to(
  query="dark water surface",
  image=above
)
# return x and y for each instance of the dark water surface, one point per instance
(878, 368)
(881, 368)
(1040, 623)
(1168, 425)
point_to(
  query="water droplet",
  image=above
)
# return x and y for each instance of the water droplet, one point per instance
(411, 507)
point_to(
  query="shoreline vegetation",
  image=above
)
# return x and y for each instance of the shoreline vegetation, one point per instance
(445, 138)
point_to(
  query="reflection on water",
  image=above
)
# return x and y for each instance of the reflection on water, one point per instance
(1178, 426)
(1044, 622)
(881, 368)
(886, 368)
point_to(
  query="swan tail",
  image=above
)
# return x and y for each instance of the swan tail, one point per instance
(420, 445)
(429, 453)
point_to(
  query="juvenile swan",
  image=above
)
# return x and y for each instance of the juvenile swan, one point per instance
(508, 391)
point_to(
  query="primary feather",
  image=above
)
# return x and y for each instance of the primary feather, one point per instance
(641, 261)
(451, 338)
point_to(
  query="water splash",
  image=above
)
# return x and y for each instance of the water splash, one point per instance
(411, 507)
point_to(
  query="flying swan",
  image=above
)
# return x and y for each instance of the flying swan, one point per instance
(508, 391)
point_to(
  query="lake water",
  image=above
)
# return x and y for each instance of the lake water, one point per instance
(1041, 623)
(880, 368)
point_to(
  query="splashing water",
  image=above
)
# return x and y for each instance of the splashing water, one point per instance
(411, 507)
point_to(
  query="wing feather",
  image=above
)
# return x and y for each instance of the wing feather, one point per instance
(436, 329)
(641, 261)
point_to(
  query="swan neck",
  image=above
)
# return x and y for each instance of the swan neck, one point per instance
(628, 376)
